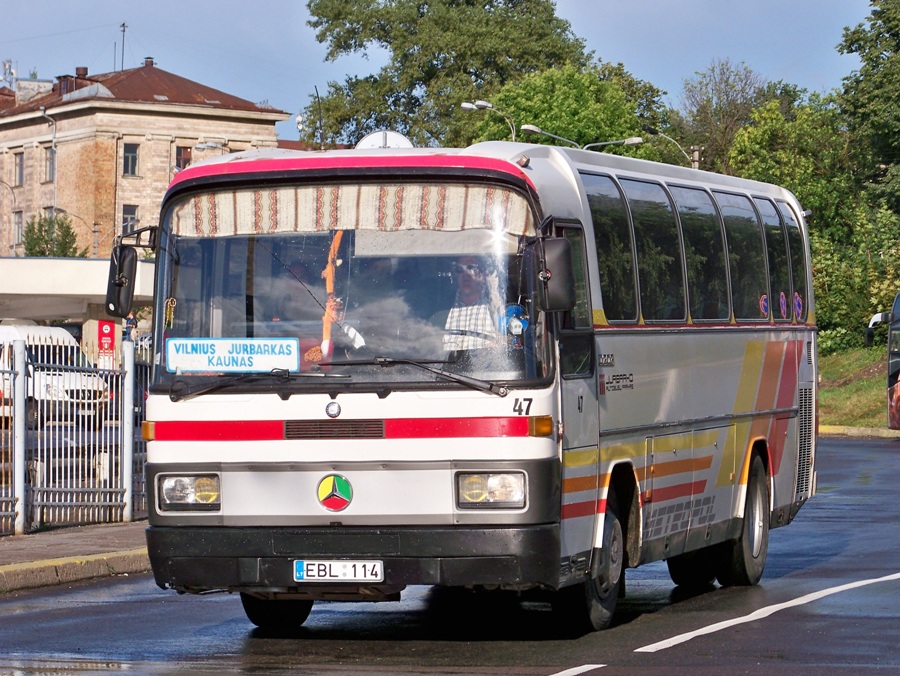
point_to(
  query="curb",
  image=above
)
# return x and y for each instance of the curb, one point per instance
(50, 572)
(844, 431)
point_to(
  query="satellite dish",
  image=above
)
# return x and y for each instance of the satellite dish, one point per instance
(383, 139)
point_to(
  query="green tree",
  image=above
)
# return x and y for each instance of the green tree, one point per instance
(806, 149)
(855, 246)
(572, 102)
(51, 236)
(440, 54)
(715, 105)
(869, 97)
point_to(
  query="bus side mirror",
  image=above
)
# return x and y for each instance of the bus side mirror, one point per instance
(120, 284)
(877, 319)
(550, 263)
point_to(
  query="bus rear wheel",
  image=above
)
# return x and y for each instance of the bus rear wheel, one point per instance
(280, 614)
(590, 605)
(741, 561)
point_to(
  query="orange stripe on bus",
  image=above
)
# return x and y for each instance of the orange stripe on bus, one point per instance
(579, 483)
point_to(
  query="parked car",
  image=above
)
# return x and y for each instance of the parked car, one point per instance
(60, 384)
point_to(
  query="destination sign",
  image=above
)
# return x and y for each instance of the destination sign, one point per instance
(232, 355)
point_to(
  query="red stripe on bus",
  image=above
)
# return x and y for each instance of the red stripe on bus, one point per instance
(312, 162)
(579, 509)
(406, 428)
(218, 430)
(677, 491)
(433, 428)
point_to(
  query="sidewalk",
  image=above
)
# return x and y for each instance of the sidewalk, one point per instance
(65, 555)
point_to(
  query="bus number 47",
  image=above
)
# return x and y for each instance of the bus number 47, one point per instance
(522, 406)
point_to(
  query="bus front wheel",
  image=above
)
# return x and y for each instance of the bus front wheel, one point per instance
(276, 613)
(741, 561)
(590, 605)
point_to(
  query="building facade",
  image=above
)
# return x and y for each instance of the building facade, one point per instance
(103, 148)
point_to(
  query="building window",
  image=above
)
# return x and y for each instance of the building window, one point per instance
(182, 157)
(49, 164)
(18, 226)
(130, 218)
(19, 169)
(130, 164)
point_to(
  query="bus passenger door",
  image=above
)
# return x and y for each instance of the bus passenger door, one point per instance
(579, 415)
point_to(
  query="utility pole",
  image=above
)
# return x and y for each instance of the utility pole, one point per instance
(123, 27)
(695, 156)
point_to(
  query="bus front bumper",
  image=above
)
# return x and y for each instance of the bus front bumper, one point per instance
(261, 560)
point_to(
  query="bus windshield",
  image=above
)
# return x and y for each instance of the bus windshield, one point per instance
(261, 282)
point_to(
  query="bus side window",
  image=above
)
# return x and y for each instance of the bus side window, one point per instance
(747, 256)
(704, 250)
(776, 247)
(577, 335)
(615, 248)
(798, 262)
(659, 253)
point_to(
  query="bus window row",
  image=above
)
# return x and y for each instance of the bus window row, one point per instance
(670, 253)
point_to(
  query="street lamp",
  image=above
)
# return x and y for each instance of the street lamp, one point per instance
(533, 129)
(93, 228)
(630, 141)
(52, 122)
(11, 192)
(653, 131)
(484, 105)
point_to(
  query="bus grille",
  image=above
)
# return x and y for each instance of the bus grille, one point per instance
(334, 429)
(804, 452)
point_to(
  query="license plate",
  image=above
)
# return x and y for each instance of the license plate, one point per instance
(338, 571)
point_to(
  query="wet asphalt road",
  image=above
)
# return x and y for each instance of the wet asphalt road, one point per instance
(829, 602)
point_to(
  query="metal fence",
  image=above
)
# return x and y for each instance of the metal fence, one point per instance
(70, 445)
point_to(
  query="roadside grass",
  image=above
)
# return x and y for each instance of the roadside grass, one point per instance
(852, 388)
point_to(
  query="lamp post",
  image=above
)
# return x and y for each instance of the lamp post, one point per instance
(13, 193)
(630, 141)
(92, 227)
(653, 131)
(534, 129)
(51, 121)
(484, 105)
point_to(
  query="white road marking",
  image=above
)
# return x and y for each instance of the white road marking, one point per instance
(762, 613)
(574, 671)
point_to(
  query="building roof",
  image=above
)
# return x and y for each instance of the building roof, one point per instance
(144, 84)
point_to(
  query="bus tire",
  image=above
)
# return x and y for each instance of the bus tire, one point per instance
(741, 561)
(276, 614)
(694, 570)
(590, 605)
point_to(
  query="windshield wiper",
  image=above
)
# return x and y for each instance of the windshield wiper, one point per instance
(468, 381)
(180, 390)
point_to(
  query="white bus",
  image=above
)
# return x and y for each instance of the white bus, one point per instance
(508, 366)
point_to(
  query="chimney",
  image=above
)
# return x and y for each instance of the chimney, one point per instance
(148, 61)
(81, 71)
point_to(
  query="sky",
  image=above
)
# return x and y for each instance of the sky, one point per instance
(263, 50)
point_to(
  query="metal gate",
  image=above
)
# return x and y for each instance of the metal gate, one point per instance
(73, 454)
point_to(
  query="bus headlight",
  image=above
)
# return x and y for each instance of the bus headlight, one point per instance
(189, 493)
(490, 491)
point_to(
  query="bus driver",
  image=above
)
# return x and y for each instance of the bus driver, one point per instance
(472, 320)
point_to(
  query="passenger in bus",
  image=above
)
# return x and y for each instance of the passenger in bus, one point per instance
(471, 322)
